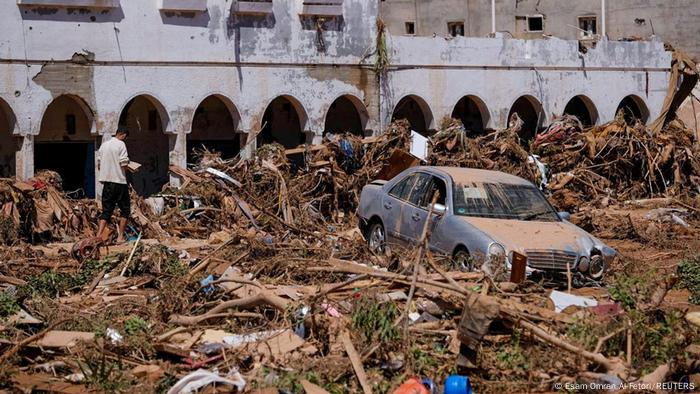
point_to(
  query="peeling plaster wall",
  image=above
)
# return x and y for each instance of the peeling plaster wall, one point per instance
(498, 71)
(673, 21)
(178, 59)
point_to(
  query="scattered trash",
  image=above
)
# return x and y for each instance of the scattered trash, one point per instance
(457, 384)
(563, 301)
(201, 378)
(114, 336)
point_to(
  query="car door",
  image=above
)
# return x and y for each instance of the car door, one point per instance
(392, 204)
(415, 210)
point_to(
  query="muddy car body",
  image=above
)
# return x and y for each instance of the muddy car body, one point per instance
(480, 215)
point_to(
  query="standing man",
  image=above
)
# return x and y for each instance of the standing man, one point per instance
(112, 161)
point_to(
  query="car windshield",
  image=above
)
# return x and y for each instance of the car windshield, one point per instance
(502, 201)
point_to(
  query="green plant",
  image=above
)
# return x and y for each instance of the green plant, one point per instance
(689, 277)
(51, 283)
(381, 65)
(102, 373)
(511, 357)
(423, 362)
(375, 321)
(8, 304)
(624, 290)
(135, 325)
(582, 332)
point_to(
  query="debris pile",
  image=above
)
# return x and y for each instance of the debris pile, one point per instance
(253, 274)
(617, 161)
(38, 210)
(499, 150)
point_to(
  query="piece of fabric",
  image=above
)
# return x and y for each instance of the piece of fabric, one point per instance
(112, 157)
(115, 195)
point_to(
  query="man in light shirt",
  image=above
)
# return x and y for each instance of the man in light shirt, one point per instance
(112, 161)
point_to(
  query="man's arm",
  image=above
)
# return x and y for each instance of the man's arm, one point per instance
(123, 157)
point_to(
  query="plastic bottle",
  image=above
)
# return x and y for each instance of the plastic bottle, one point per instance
(457, 384)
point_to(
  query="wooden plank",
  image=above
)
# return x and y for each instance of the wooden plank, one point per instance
(356, 362)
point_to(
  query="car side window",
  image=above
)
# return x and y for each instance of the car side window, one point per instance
(437, 185)
(420, 189)
(403, 188)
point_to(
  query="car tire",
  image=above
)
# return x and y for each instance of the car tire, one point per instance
(376, 238)
(462, 260)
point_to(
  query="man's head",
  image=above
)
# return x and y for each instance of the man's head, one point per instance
(122, 132)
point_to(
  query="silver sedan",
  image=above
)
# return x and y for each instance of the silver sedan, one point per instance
(479, 217)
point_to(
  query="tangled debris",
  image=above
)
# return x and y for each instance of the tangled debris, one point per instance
(253, 274)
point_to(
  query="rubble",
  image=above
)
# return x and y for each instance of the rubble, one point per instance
(252, 274)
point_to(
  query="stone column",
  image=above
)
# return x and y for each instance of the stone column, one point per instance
(24, 164)
(177, 154)
(248, 144)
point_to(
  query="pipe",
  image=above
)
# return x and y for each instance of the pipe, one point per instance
(493, 17)
(602, 18)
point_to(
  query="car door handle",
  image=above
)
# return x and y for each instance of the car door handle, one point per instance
(415, 217)
(387, 205)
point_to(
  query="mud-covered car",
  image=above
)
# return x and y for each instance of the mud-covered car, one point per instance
(480, 217)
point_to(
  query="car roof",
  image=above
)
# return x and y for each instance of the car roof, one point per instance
(464, 175)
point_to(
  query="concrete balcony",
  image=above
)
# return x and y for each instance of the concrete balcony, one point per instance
(183, 5)
(329, 8)
(71, 3)
(252, 7)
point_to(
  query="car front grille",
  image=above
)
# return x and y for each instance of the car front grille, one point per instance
(550, 259)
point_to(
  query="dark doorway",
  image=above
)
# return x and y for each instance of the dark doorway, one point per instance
(66, 145)
(582, 108)
(147, 144)
(282, 124)
(415, 111)
(530, 111)
(214, 129)
(633, 108)
(469, 111)
(343, 117)
(8, 142)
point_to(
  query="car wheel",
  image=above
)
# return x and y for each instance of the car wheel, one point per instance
(376, 238)
(462, 260)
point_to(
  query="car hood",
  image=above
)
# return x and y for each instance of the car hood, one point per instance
(518, 235)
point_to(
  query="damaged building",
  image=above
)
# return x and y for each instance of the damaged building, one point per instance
(230, 76)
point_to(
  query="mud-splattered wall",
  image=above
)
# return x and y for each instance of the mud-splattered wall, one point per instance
(107, 56)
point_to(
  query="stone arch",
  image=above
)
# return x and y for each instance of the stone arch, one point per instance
(347, 113)
(583, 108)
(146, 119)
(214, 127)
(473, 113)
(8, 142)
(529, 109)
(66, 144)
(633, 107)
(416, 111)
(284, 121)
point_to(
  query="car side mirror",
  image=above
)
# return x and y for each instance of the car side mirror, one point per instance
(439, 209)
(564, 215)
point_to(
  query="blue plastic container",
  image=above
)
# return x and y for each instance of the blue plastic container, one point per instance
(457, 384)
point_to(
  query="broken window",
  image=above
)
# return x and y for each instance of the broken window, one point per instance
(535, 23)
(588, 27)
(455, 28)
(403, 188)
(410, 28)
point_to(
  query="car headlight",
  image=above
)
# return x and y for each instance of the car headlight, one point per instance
(597, 266)
(584, 263)
(496, 249)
